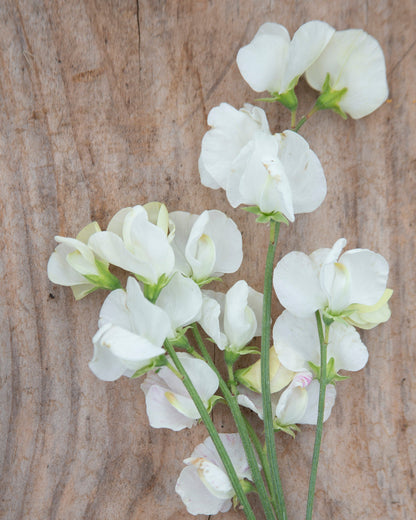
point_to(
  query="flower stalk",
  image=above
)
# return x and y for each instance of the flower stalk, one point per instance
(323, 340)
(265, 371)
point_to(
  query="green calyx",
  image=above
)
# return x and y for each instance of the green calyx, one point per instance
(288, 99)
(290, 429)
(331, 374)
(265, 218)
(157, 362)
(330, 98)
(105, 279)
(152, 291)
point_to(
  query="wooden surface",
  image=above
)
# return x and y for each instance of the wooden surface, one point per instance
(103, 105)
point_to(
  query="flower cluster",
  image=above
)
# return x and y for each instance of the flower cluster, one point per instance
(170, 257)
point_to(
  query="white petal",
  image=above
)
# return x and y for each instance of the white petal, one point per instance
(196, 497)
(228, 242)
(116, 223)
(292, 405)
(202, 376)
(115, 311)
(297, 285)
(104, 364)
(234, 446)
(181, 299)
(240, 322)
(369, 272)
(304, 171)
(355, 60)
(147, 319)
(183, 222)
(306, 46)
(211, 318)
(59, 271)
(346, 347)
(251, 400)
(311, 413)
(162, 414)
(255, 302)
(263, 61)
(296, 341)
(111, 247)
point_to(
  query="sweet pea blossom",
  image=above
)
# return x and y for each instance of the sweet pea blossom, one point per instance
(206, 245)
(168, 403)
(272, 62)
(203, 485)
(352, 60)
(298, 404)
(234, 318)
(74, 264)
(133, 243)
(330, 281)
(276, 173)
(296, 341)
(130, 335)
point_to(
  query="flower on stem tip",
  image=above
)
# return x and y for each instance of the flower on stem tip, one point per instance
(329, 281)
(274, 63)
(168, 403)
(276, 173)
(203, 485)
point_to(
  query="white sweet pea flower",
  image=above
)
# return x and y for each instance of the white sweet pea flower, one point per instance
(329, 281)
(203, 485)
(133, 243)
(296, 341)
(181, 299)
(233, 319)
(168, 403)
(231, 130)
(74, 264)
(274, 63)
(354, 61)
(130, 335)
(298, 404)
(276, 173)
(206, 245)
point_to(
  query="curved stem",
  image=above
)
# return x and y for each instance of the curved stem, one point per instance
(222, 452)
(303, 119)
(241, 426)
(265, 371)
(321, 409)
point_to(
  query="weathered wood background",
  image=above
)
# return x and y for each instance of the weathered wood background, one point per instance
(103, 105)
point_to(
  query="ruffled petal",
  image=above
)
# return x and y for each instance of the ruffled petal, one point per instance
(297, 285)
(262, 62)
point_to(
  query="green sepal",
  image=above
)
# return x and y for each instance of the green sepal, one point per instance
(180, 340)
(104, 279)
(209, 280)
(249, 350)
(329, 98)
(231, 356)
(290, 429)
(213, 401)
(264, 218)
(288, 99)
(315, 369)
(157, 362)
(332, 375)
(152, 291)
(328, 319)
(247, 486)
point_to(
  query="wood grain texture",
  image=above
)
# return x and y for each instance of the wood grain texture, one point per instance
(103, 105)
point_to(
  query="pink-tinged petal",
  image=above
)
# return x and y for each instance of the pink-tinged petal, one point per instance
(311, 413)
(368, 272)
(296, 341)
(263, 61)
(297, 285)
(346, 347)
(196, 497)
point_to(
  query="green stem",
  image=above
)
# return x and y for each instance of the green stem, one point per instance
(231, 378)
(321, 409)
(265, 371)
(303, 119)
(241, 426)
(222, 452)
